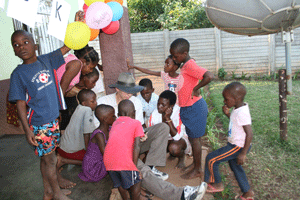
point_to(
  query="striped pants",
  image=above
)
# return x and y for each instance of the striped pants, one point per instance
(228, 153)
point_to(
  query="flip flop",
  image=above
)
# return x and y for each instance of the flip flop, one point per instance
(212, 189)
(240, 197)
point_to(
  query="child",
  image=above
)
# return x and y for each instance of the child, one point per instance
(77, 134)
(148, 98)
(122, 151)
(34, 84)
(92, 165)
(193, 108)
(239, 143)
(168, 112)
(170, 77)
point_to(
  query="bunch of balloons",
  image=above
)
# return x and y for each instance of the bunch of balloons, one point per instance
(99, 14)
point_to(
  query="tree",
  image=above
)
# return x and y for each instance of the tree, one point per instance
(155, 15)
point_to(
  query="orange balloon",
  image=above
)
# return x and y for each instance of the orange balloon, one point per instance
(119, 1)
(94, 33)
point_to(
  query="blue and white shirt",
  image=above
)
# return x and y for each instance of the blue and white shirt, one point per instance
(148, 108)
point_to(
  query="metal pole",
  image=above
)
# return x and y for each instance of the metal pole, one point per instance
(282, 104)
(287, 38)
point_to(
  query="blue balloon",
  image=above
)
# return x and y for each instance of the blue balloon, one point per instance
(117, 10)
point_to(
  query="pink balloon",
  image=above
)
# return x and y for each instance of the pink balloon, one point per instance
(112, 28)
(98, 15)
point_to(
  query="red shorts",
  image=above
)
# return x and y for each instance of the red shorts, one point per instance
(73, 156)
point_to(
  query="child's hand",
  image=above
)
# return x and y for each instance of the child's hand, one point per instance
(168, 113)
(226, 110)
(79, 16)
(140, 175)
(241, 158)
(144, 138)
(30, 138)
(195, 93)
(128, 64)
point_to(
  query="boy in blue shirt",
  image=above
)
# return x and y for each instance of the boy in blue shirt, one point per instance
(34, 85)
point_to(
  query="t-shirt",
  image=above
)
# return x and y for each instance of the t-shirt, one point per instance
(191, 74)
(99, 87)
(238, 118)
(62, 69)
(170, 83)
(156, 118)
(82, 122)
(118, 152)
(148, 108)
(111, 100)
(37, 84)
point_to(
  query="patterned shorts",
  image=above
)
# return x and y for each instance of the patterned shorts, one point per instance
(47, 137)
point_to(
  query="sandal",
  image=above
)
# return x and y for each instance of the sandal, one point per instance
(212, 189)
(240, 197)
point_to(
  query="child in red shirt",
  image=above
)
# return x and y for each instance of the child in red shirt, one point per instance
(122, 151)
(193, 108)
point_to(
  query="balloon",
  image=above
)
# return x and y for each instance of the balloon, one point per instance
(85, 7)
(77, 35)
(98, 15)
(119, 1)
(117, 10)
(112, 28)
(90, 2)
(94, 33)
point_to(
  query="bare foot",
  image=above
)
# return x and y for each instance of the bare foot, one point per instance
(49, 195)
(191, 174)
(61, 196)
(64, 183)
(66, 192)
(181, 163)
(187, 168)
(215, 187)
(249, 194)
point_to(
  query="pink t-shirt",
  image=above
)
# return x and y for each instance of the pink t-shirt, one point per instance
(238, 118)
(191, 74)
(61, 70)
(173, 84)
(118, 152)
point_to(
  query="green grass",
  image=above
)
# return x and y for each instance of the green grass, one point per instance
(273, 166)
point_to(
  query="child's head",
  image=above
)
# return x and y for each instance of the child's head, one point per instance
(167, 99)
(105, 114)
(180, 50)
(89, 80)
(89, 57)
(170, 65)
(24, 46)
(148, 89)
(126, 108)
(87, 97)
(234, 94)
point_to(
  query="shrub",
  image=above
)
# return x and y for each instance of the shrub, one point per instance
(222, 73)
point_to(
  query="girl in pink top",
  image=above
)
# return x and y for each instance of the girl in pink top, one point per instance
(193, 108)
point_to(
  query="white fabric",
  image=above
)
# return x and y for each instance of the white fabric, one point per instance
(238, 118)
(148, 108)
(99, 87)
(112, 101)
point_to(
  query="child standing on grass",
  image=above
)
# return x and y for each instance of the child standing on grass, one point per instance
(92, 165)
(122, 151)
(239, 143)
(193, 108)
(34, 84)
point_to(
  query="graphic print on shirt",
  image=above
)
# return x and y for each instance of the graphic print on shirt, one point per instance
(43, 78)
(229, 129)
(172, 86)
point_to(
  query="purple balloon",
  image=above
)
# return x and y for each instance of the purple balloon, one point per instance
(98, 15)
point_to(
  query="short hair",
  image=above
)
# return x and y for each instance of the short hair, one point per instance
(171, 57)
(22, 32)
(236, 89)
(125, 107)
(180, 45)
(84, 95)
(168, 94)
(146, 82)
(102, 110)
(88, 53)
(91, 74)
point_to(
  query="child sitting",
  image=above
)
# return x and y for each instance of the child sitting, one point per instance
(92, 165)
(239, 143)
(148, 98)
(168, 112)
(122, 151)
(172, 80)
(77, 134)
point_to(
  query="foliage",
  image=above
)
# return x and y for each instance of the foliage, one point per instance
(222, 73)
(146, 16)
(244, 76)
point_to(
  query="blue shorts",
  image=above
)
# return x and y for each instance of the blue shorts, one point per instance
(194, 118)
(126, 179)
(47, 137)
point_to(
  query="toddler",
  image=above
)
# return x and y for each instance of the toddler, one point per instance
(239, 143)
(122, 151)
(193, 108)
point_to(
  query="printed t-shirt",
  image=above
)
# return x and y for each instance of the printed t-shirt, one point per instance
(170, 83)
(37, 84)
(238, 118)
(81, 123)
(148, 108)
(118, 152)
(191, 74)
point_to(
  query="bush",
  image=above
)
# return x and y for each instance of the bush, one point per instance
(222, 73)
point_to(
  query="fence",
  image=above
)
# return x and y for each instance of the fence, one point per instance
(214, 49)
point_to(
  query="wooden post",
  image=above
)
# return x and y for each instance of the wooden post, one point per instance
(282, 104)
(167, 42)
(218, 48)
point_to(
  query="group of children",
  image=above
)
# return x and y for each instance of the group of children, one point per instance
(39, 97)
